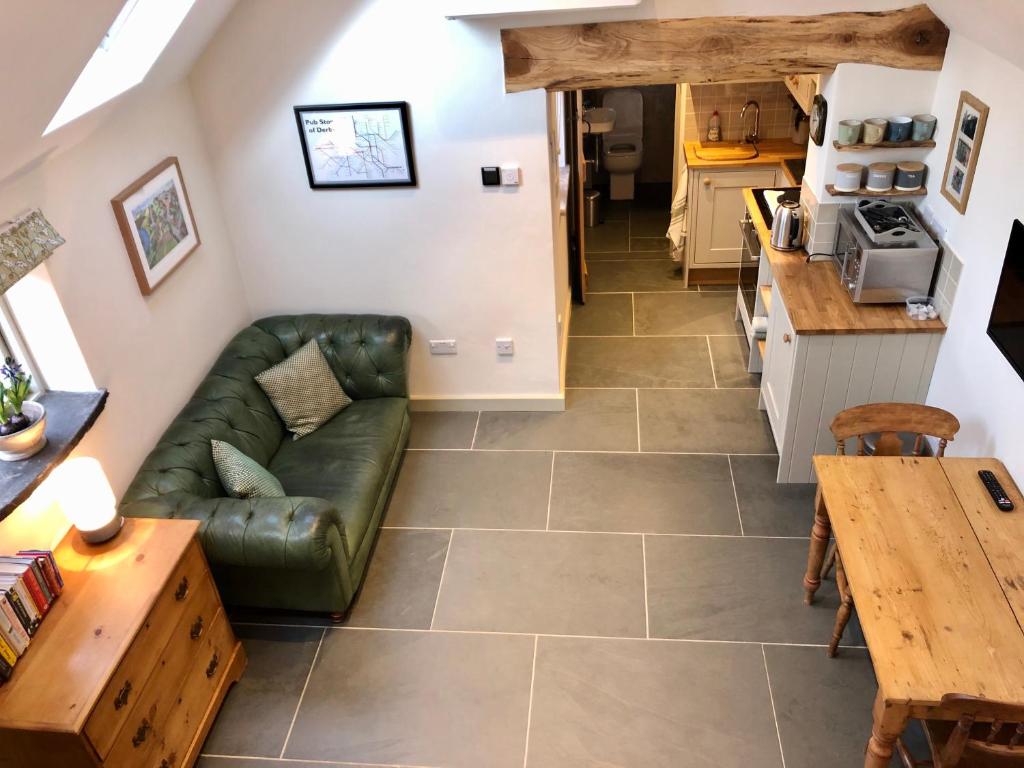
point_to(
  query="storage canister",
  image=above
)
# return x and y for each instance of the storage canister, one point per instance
(880, 176)
(848, 177)
(909, 175)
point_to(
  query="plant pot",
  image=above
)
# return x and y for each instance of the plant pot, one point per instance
(28, 441)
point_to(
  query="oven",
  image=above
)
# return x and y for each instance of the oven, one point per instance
(750, 258)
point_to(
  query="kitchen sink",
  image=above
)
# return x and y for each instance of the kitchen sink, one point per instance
(725, 153)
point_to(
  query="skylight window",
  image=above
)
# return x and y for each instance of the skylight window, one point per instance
(131, 46)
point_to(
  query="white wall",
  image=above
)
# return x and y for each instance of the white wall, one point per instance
(460, 260)
(972, 378)
(149, 352)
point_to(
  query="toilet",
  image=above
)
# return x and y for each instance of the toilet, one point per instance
(622, 148)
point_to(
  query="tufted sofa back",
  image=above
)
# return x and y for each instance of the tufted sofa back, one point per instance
(367, 353)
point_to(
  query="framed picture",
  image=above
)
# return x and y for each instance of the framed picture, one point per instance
(964, 146)
(156, 223)
(357, 145)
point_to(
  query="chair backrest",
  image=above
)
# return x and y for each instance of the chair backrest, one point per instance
(889, 420)
(983, 725)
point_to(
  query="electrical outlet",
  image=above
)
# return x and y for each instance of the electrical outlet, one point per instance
(444, 347)
(510, 176)
(505, 347)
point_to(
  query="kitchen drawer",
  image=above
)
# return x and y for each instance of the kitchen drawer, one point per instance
(189, 709)
(118, 699)
(777, 374)
(140, 735)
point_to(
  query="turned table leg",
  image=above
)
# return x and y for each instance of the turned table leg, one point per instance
(890, 719)
(819, 544)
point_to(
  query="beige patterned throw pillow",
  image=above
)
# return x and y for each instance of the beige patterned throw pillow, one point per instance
(304, 390)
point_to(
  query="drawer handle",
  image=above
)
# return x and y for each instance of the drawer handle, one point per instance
(122, 695)
(142, 733)
(787, 338)
(165, 763)
(211, 670)
(197, 629)
(707, 182)
(182, 591)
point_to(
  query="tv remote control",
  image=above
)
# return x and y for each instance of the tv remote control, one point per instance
(995, 490)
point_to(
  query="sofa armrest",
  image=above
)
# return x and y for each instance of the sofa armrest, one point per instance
(294, 532)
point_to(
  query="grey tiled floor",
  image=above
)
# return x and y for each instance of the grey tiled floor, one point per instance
(614, 585)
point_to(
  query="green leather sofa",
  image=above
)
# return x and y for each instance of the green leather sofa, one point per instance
(309, 550)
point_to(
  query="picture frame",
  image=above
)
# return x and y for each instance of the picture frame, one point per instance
(964, 146)
(157, 224)
(354, 146)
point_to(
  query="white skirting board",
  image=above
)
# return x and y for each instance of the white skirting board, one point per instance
(489, 403)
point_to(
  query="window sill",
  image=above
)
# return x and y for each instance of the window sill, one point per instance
(69, 415)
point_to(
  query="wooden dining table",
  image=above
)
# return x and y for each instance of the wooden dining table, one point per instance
(936, 571)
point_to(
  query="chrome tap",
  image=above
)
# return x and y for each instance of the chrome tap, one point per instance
(754, 136)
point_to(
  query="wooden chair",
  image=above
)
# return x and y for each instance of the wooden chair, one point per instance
(888, 421)
(986, 734)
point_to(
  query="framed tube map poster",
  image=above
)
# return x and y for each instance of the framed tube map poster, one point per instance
(357, 145)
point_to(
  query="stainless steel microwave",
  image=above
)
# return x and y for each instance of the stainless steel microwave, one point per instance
(881, 273)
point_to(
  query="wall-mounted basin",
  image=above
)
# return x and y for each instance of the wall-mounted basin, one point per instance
(598, 120)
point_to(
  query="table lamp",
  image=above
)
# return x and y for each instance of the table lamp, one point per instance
(87, 499)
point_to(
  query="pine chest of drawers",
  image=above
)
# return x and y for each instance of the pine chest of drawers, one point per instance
(131, 664)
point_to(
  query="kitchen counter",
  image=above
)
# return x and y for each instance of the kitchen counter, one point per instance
(770, 152)
(815, 300)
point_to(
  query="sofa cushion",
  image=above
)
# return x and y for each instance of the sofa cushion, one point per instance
(345, 461)
(303, 390)
(242, 477)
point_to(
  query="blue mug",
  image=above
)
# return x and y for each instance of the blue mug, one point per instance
(924, 127)
(899, 128)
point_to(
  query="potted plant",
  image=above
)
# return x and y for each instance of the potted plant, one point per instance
(22, 421)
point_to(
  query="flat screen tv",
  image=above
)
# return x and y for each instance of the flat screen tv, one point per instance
(1006, 325)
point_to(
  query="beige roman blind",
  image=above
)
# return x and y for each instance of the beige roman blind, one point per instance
(25, 243)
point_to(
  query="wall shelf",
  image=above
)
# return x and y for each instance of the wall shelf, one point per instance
(883, 145)
(863, 192)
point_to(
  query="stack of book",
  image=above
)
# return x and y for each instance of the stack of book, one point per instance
(29, 583)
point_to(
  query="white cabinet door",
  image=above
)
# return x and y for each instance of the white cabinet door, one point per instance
(719, 208)
(777, 374)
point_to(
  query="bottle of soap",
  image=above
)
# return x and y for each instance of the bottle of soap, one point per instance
(715, 127)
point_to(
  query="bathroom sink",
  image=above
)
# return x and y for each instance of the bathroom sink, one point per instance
(724, 153)
(598, 120)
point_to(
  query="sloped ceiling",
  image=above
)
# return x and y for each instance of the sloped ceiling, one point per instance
(44, 44)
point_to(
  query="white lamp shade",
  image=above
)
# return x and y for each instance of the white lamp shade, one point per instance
(84, 493)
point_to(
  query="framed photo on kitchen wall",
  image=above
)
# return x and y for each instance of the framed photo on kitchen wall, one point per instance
(347, 146)
(964, 146)
(156, 222)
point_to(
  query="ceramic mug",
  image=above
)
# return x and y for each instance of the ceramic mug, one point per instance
(874, 130)
(899, 128)
(924, 127)
(849, 131)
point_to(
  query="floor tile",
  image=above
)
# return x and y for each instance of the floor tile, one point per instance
(243, 762)
(636, 362)
(615, 210)
(593, 420)
(649, 223)
(770, 508)
(692, 312)
(659, 244)
(747, 589)
(593, 256)
(649, 493)
(703, 421)
(472, 489)
(553, 583)
(401, 584)
(610, 236)
(442, 429)
(640, 703)
(604, 314)
(657, 274)
(823, 706)
(259, 708)
(730, 355)
(416, 698)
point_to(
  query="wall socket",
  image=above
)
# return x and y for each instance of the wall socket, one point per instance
(444, 347)
(504, 347)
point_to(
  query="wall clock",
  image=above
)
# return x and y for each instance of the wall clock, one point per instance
(819, 114)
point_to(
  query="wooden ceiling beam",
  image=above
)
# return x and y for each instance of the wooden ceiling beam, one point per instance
(715, 49)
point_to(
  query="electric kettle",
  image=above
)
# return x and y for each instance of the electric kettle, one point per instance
(787, 226)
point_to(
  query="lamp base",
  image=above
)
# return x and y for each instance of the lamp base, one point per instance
(104, 532)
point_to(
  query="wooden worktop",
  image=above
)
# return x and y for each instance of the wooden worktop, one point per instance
(770, 152)
(816, 301)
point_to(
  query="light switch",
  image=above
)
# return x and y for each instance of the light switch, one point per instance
(504, 347)
(510, 175)
(490, 175)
